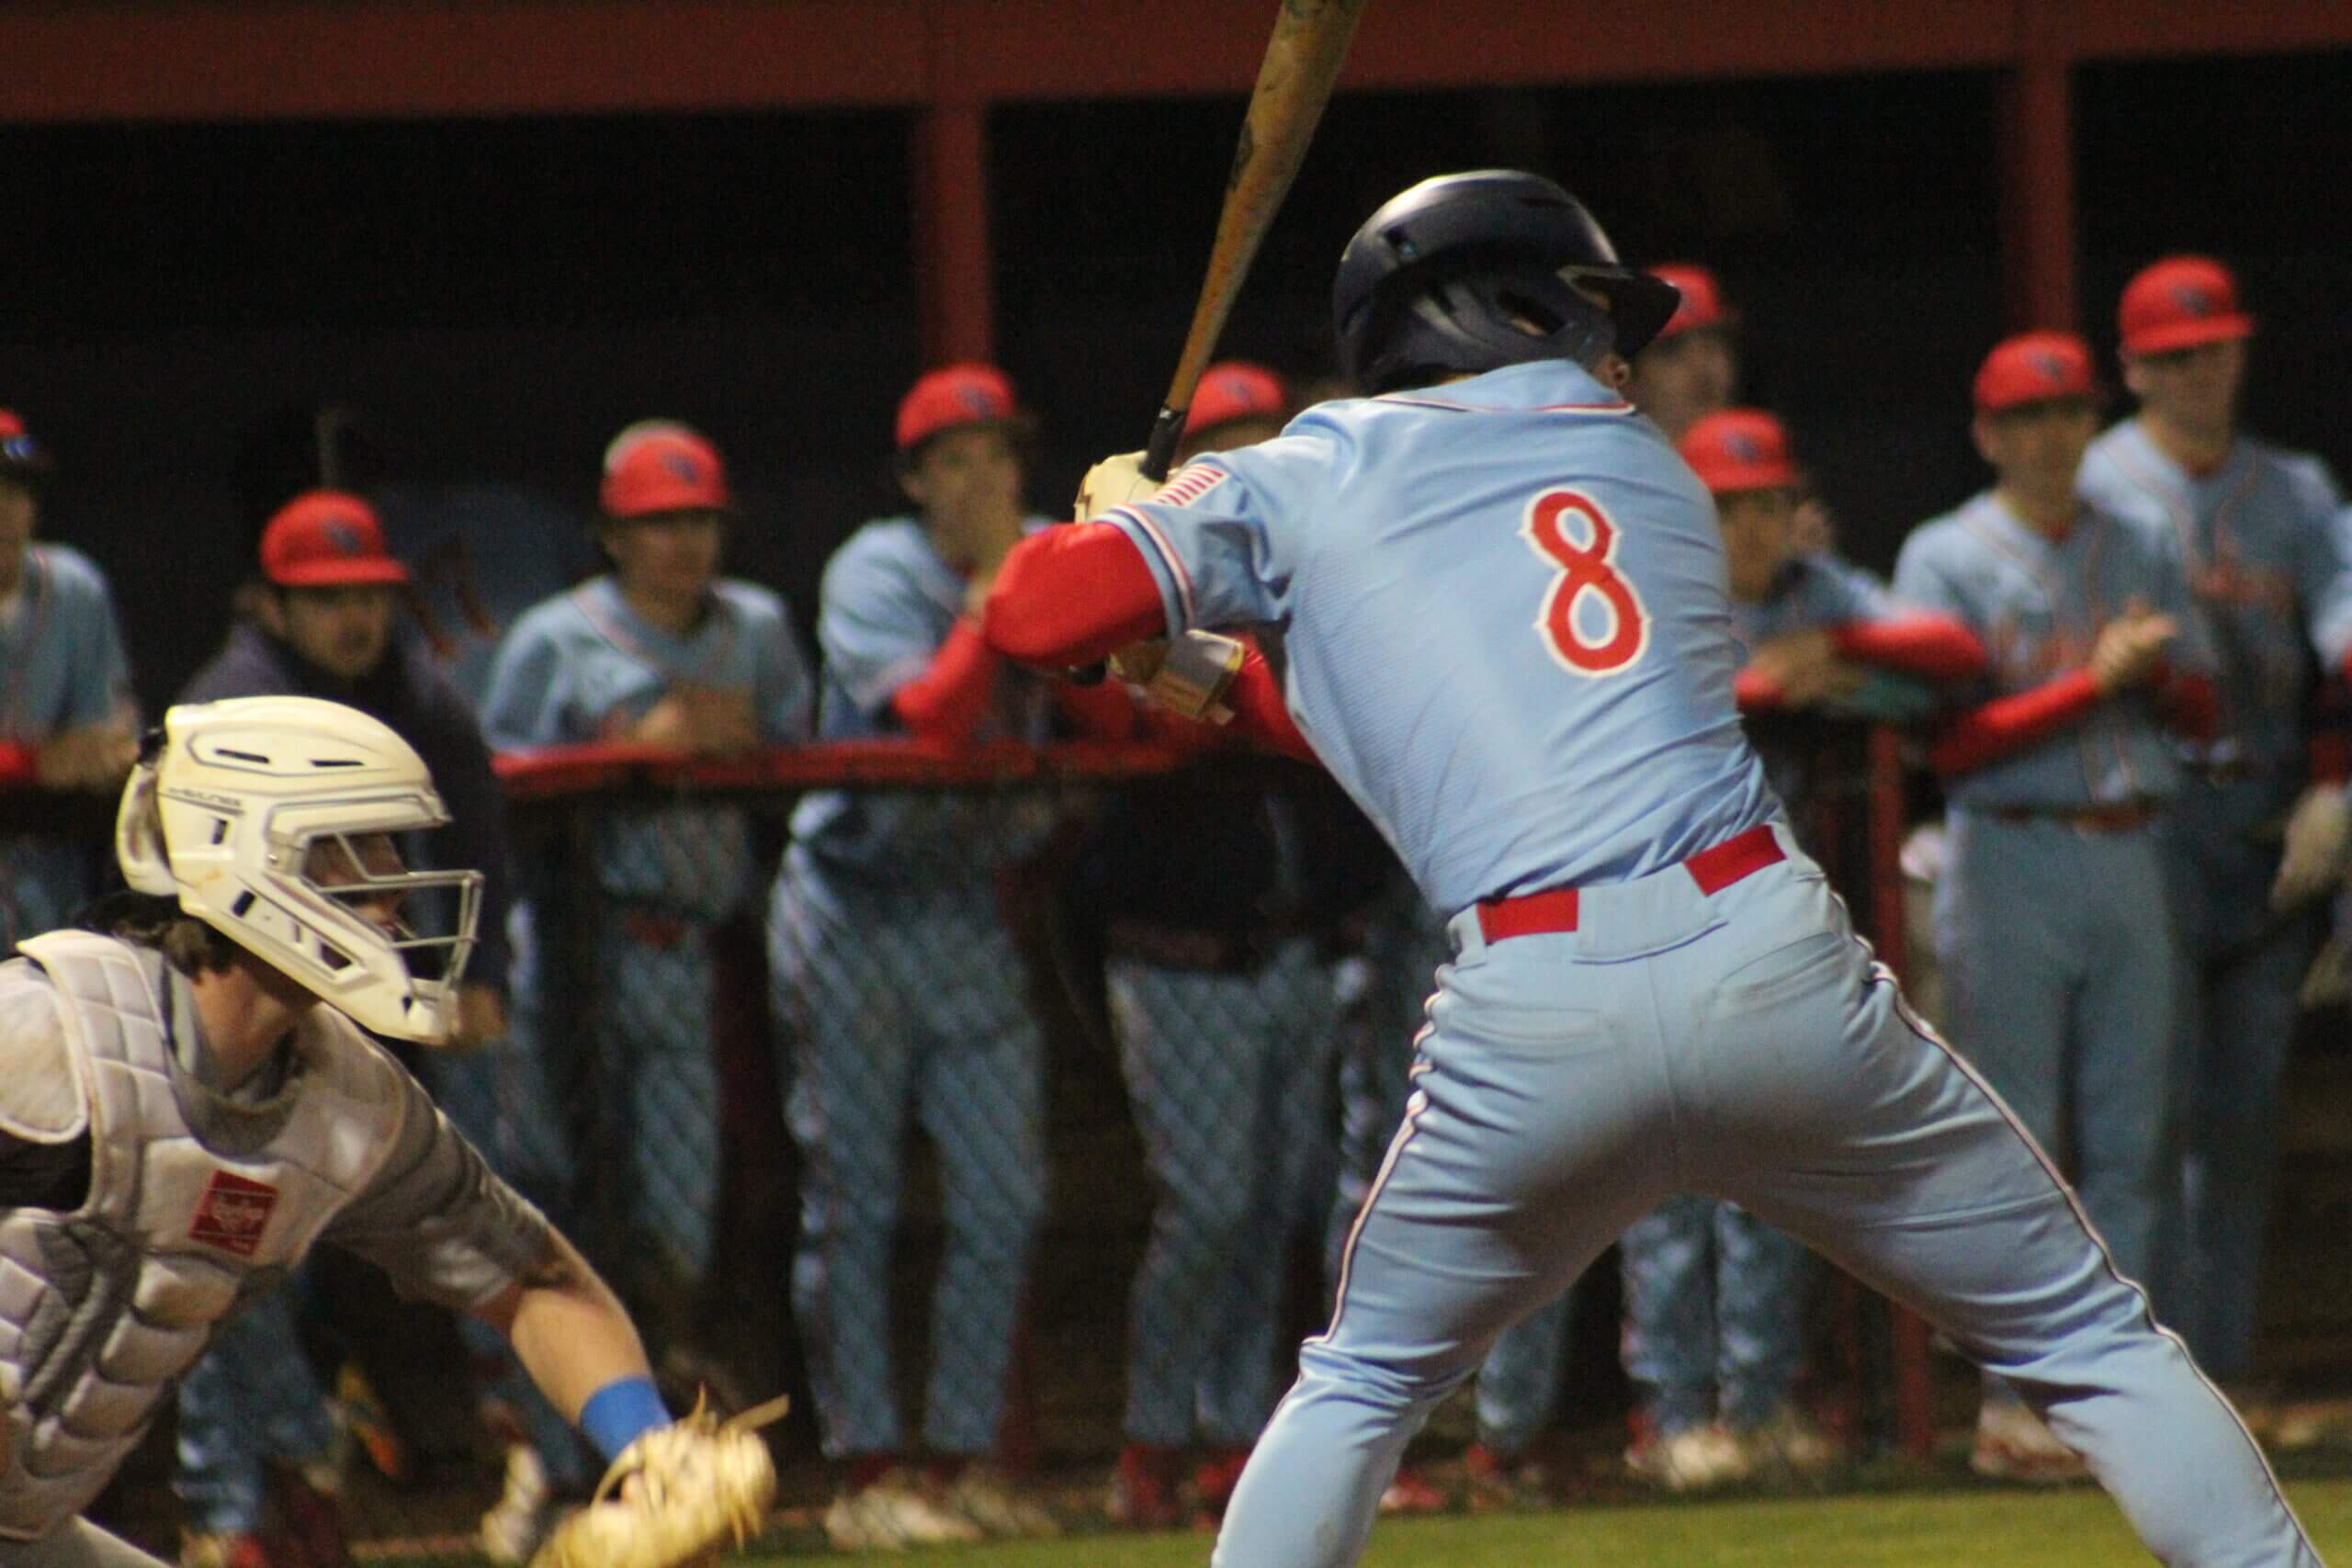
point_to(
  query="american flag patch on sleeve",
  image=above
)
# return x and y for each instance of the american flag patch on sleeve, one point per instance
(1189, 485)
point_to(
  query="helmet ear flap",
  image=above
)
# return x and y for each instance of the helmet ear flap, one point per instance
(138, 834)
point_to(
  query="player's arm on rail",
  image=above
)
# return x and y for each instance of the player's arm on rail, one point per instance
(1938, 648)
(946, 701)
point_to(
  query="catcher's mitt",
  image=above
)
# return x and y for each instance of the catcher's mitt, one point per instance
(676, 1495)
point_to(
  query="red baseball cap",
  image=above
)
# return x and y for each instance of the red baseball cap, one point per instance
(1702, 300)
(2034, 367)
(659, 466)
(2181, 303)
(954, 395)
(18, 447)
(1235, 389)
(327, 539)
(1738, 449)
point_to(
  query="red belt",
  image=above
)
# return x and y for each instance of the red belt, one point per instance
(1533, 914)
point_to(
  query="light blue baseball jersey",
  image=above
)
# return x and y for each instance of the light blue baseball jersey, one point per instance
(61, 663)
(62, 667)
(887, 603)
(2039, 605)
(584, 666)
(1812, 591)
(2267, 549)
(1509, 632)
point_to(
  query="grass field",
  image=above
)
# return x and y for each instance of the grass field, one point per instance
(1969, 1529)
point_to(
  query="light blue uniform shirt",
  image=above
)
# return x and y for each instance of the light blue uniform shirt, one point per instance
(1518, 698)
(62, 667)
(1812, 591)
(584, 666)
(887, 603)
(61, 663)
(2267, 552)
(2039, 605)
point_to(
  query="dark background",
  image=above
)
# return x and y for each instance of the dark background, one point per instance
(496, 298)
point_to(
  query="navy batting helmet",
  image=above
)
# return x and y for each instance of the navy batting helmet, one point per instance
(1475, 271)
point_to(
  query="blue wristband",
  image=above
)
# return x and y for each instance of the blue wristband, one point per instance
(621, 1411)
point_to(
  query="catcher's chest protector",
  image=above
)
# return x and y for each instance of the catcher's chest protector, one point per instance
(193, 1202)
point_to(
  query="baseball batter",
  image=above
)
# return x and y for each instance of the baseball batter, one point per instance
(903, 992)
(665, 652)
(2268, 554)
(188, 1104)
(2061, 960)
(1507, 634)
(65, 705)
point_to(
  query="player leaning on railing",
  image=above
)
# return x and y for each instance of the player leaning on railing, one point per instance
(182, 1119)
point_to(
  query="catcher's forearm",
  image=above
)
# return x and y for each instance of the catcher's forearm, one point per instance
(568, 1330)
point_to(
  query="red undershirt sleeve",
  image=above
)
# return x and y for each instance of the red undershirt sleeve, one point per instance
(2010, 724)
(1067, 597)
(1938, 648)
(947, 701)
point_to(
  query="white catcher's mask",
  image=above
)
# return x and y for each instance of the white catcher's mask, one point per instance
(240, 791)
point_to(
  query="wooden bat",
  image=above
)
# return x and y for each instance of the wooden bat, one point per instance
(1303, 58)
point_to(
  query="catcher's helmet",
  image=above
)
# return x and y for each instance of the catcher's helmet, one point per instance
(223, 812)
(1474, 271)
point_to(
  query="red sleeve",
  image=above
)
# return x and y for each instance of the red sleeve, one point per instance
(1102, 712)
(18, 764)
(2191, 708)
(946, 701)
(1751, 691)
(1938, 647)
(2012, 723)
(1069, 597)
(1256, 699)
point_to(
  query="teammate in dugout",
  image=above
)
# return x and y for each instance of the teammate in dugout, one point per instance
(1714, 1298)
(1223, 1007)
(1507, 632)
(661, 651)
(2250, 842)
(326, 624)
(902, 993)
(188, 1104)
(2060, 954)
(66, 713)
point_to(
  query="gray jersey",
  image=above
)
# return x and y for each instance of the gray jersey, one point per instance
(196, 1198)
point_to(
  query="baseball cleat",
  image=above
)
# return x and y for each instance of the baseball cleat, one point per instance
(1694, 1460)
(986, 1496)
(894, 1512)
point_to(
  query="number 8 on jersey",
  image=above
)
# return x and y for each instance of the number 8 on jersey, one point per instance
(1588, 583)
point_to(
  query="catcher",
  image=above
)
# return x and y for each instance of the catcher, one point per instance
(181, 1119)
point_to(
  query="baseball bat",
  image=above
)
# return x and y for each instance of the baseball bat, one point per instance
(1303, 58)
